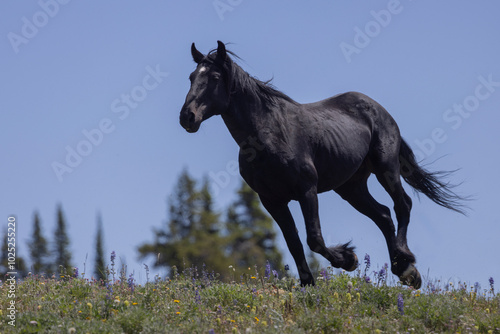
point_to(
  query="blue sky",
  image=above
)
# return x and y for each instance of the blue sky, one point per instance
(108, 79)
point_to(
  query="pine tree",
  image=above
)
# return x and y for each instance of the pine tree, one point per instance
(251, 232)
(62, 255)
(191, 237)
(19, 263)
(100, 265)
(39, 252)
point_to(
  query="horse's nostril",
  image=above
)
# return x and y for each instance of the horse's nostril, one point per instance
(191, 117)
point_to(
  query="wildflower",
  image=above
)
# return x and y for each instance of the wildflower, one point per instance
(253, 277)
(75, 272)
(349, 297)
(367, 279)
(256, 319)
(113, 257)
(264, 323)
(267, 272)
(275, 274)
(71, 330)
(127, 303)
(401, 304)
(89, 305)
(134, 303)
(176, 301)
(492, 282)
(197, 297)
(358, 296)
(287, 267)
(367, 262)
(116, 301)
(131, 283)
(324, 275)
(177, 312)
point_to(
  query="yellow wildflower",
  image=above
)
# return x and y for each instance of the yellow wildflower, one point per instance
(127, 303)
(176, 301)
(177, 312)
(89, 305)
(256, 319)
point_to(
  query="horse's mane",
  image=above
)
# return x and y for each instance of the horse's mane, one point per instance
(239, 80)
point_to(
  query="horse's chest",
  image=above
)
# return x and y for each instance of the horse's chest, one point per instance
(271, 175)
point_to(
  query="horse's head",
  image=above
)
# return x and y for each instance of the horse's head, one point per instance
(209, 93)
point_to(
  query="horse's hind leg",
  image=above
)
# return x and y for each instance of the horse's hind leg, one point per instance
(357, 194)
(404, 260)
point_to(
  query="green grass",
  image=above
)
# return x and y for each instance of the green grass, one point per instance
(191, 302)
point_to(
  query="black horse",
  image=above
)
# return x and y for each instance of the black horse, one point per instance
(291, 151)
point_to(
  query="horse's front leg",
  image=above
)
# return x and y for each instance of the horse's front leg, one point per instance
(281, 214)
(341, 256)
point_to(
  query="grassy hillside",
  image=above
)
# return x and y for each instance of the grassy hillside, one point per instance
(256, 302)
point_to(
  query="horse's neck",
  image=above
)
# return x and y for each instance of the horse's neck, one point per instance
(241, 124)
(251, 122)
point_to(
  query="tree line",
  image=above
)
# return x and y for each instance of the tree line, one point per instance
(233, 241)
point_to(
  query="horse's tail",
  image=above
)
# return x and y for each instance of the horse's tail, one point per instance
(429, 183)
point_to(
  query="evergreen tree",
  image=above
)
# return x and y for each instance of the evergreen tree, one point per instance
(100, 265)
(62, 255)
(251, 232)
(5, 265)
(191, 236)
(39, 252)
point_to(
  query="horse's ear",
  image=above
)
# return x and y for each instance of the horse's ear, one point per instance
(221, 51)
(197, 55)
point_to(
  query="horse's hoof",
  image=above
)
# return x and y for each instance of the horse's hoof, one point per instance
(354, 265)
(411, 277)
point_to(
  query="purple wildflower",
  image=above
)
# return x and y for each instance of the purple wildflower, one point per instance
(113, 257)
(381, 273)
(197, 297)
(492, 284)
(130, 282)
(275, 274)
(75, 272)
(109, 293)
(287, 267)
(324, 274)
(267, 272)
(401, 304)
(367, 262)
